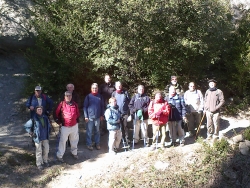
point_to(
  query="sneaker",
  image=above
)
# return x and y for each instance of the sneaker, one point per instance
(75, 156)
(60, 160)
(115, 150)
(153, 148)
(40, 167)
(147, 145)
(90, 148)
(112, 153)
(46, 164)
(98, 147)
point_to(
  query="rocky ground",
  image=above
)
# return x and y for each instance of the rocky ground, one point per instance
(91, 165)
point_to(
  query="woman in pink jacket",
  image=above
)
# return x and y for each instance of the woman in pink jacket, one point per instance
(158, 112)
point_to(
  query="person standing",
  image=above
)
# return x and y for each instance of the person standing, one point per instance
(177, 114)
(113, 117)
(39, 99)
(194, 102)
(93, 108)
(138, 106)
(158, 112)
(106, 89)
(174, 82)
(75, 97)
(122, 99)
(39, 128)
(67, 116)
(214, 99)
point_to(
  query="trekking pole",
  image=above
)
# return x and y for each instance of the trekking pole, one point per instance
(133, 146)
(143, 129)
(157, 133)
(197, 132)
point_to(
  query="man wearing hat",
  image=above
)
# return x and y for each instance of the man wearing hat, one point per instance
(214, 99)
(39, 99)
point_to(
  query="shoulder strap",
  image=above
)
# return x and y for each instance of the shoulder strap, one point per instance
(44, 96)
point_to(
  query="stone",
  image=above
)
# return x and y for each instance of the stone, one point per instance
(159, 165)
(238, 138)
(247, 143)
(244, 149)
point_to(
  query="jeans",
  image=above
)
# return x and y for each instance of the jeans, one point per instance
(93, 124)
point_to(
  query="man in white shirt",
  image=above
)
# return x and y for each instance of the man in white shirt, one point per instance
(194, 101)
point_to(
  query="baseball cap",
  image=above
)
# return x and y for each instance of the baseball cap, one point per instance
(38, 88)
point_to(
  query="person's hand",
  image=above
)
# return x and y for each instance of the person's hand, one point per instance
(86, 120)
(118, 121)
(200, 111)
(31, 107)
(101, 118)
(185, 119)
(31, 134)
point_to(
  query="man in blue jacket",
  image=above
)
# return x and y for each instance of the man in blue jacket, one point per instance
(39, 127)
(39, 99)
(176, 116)
(93, 108)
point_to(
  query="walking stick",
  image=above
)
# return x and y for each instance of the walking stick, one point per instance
(134, 132)
(157, 133)
(197, 132)
(143, 129)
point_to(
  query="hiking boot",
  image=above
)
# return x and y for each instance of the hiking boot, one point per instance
(40, 167)
(98, 147)
(46, 164)
(90, 148)
(75, 156)
(60, 160)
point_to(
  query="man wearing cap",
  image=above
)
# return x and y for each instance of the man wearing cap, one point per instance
(214, 99)
(67, 116)
(39, 99)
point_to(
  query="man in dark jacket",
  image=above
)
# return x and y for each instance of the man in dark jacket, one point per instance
(39, 99)
(139, 110)
(122, 99)
(106, 89)
(174, 82)
(75, 97)
(214, 99)
(39, 127)
(177, 114)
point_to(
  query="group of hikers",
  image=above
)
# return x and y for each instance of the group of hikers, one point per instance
(109, 108)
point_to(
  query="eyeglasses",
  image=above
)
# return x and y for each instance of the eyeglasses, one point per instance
(68, 95)
(191, 86)
(94, 87)
(174, 79)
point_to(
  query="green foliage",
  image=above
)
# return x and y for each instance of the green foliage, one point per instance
(247, 134)
(138, 42)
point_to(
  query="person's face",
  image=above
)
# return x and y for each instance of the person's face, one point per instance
(38, 93)
(118, 86)
(107, 79)
(113, 103)
(140, 90)
(68, 98)
(94, 89)
(212, 84)
(70, 88)
(191, 87)
(39, 111)
(174, 81)
(158, 96)
(172, 91)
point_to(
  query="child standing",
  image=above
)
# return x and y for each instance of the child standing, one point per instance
(112, 116)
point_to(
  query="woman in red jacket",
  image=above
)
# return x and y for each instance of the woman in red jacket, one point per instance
(158, 112)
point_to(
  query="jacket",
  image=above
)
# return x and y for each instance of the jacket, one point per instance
(213, 100)
(47, 104)
(139, 102)
(160, 109)
(122, 101)
(194, 101)
(67, 113)
(106, 91)
(177, 106)
(93, 106)
(113, 116)
(34, 125)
